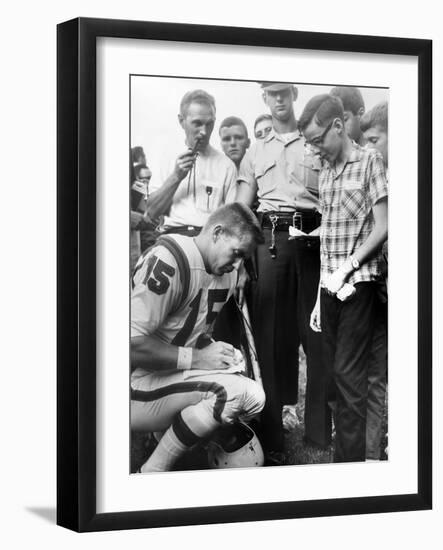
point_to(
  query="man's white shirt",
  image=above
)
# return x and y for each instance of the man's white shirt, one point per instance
(215, 185)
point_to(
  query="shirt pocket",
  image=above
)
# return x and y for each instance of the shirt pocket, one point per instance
(353, 203)
(209, 195)
(265, 177)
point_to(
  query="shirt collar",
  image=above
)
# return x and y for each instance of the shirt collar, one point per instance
(274, 135)
(354, 156)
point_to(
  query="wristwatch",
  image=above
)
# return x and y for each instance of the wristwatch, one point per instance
(354, 262)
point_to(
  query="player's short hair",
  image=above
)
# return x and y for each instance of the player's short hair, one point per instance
(350, 97)
(196, 96)
(377, 116)
(237, 219)
(233, 121)
(322, 109)
(265, 116)
(138, 168)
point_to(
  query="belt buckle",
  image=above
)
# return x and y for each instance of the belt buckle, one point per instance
(273, 219)
(297, 221)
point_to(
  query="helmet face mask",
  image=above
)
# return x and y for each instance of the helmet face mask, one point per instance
(235, 446)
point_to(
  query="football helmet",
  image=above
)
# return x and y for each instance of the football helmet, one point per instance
(235, 446)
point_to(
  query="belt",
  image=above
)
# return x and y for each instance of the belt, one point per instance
(304, 220)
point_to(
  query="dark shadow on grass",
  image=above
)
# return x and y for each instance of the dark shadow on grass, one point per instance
(49, 514)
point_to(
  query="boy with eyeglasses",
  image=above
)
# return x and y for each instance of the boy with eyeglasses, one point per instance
(353, 201)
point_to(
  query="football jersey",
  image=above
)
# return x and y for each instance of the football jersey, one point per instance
(173, 296)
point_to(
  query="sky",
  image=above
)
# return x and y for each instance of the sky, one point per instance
(155, 105)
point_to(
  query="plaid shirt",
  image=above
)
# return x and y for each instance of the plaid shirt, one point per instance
(346, 202)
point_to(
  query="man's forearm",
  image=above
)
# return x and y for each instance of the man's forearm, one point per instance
(371, 246)
(376, 238)
(246, 193)
(378, 235)
(148, 352)
(159, 202)
(336, 280)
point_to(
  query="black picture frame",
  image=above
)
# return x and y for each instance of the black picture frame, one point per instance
(76, 280)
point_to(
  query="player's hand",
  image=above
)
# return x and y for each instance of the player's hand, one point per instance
(315, 323)
(183, 164)
(218, 355)
(242, 281)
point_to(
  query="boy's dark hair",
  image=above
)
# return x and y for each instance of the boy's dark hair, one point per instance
(233, 121)
(136, 153)
(350, 97)
(377, 116)
(196, 96)
(322, 109)
(262, 117)
(237, 219)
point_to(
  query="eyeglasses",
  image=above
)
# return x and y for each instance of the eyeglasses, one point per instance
(317, 141)
(260, 134)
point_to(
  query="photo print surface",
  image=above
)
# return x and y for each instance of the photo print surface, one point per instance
(258, 273)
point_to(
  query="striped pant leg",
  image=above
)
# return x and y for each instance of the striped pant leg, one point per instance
(157, 400)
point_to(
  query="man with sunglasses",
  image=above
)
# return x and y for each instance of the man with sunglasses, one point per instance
(262, 126)
(277, 172)
(353, 201)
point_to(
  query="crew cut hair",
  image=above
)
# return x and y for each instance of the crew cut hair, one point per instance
(322, 109)
(238, 220)
(377, 116)
(196, 96)
(350, 97)
(233, 121)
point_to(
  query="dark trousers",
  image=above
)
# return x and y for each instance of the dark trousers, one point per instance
(377, 375)
(347, 331)
(317, 411)
(282, 301)
(228, 325)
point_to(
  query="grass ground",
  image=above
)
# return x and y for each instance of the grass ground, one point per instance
(296, 452)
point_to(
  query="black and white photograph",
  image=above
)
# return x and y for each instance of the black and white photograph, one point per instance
(227, 322)
(258, 273)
